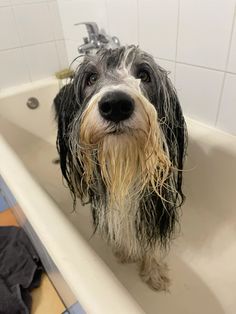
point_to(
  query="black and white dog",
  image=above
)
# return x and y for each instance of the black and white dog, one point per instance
(122, 140)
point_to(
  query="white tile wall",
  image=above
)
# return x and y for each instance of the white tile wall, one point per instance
(123, 20)
(55, 20)
(169, 66)
(62, 55)
(158, 21)
(232, 56)
(227, 115)
(193, 39)
(75, 11)
(31, 41)
(79, 11)
(8, 34)
(69, 12)
(199, 91)
(19, 2)
(204, 32)
(34, 23)
(72, 49)
(13, 68)
(41, 60)
(4, 3)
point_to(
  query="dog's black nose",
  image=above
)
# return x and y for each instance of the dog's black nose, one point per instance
(116, 106)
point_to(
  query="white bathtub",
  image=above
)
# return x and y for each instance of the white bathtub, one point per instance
(203, 257)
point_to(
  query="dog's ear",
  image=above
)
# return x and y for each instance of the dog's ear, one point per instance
(161, 223)
(172, 123)
(65, 108)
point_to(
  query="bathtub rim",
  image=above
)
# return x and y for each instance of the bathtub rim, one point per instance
(90, 285)
(27, 87)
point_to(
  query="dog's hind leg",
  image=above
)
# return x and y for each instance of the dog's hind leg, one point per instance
(154, 271)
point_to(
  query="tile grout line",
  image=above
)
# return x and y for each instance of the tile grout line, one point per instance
(137, 21)
(63, 33)
(32, 45)
(20, 42)
(61, 39)
(177, 40)
(200, 66)
(107, 17)
(54, 37)
(164, 59)
(26, 3)
(161, 58)
(195, 65)
(226, 67)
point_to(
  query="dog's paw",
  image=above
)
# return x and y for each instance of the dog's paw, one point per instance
(155, 275)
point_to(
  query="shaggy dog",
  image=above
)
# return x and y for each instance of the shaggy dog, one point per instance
(122, 141)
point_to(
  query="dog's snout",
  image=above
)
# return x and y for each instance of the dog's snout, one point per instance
(116, 106)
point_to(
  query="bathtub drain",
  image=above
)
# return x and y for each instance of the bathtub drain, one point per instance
(32, 103)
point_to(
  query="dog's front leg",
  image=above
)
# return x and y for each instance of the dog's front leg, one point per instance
(154, 271)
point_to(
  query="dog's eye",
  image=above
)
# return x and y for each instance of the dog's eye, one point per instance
(92, 79)
(144, 76)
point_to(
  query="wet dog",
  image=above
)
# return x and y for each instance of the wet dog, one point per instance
(122, 140)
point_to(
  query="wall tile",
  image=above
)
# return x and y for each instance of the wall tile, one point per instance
(72, 50)
(20, 2)
(42, 60)
(8, 34)
(204, 32)
(199, 92)
(81, 11)
(24, 23)
(55, 20)
(158, 27)
(232, 57)
(62, 54)
(123, 20)
(4, 3)
(13, 68)
(34, 23)
(227, 114)
(203, 39)
(168, 66)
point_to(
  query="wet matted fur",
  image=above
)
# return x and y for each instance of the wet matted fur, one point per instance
(130, 171)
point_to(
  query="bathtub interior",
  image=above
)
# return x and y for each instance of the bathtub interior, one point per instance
(39, 121)
(202, 258)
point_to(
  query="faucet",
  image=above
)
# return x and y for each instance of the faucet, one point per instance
(96, 39)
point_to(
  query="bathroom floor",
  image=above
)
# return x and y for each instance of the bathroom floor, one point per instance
(45, 298)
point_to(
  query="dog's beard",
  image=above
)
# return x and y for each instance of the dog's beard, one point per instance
(128, 162)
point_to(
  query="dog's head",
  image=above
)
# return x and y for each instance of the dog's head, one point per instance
(122, 135)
